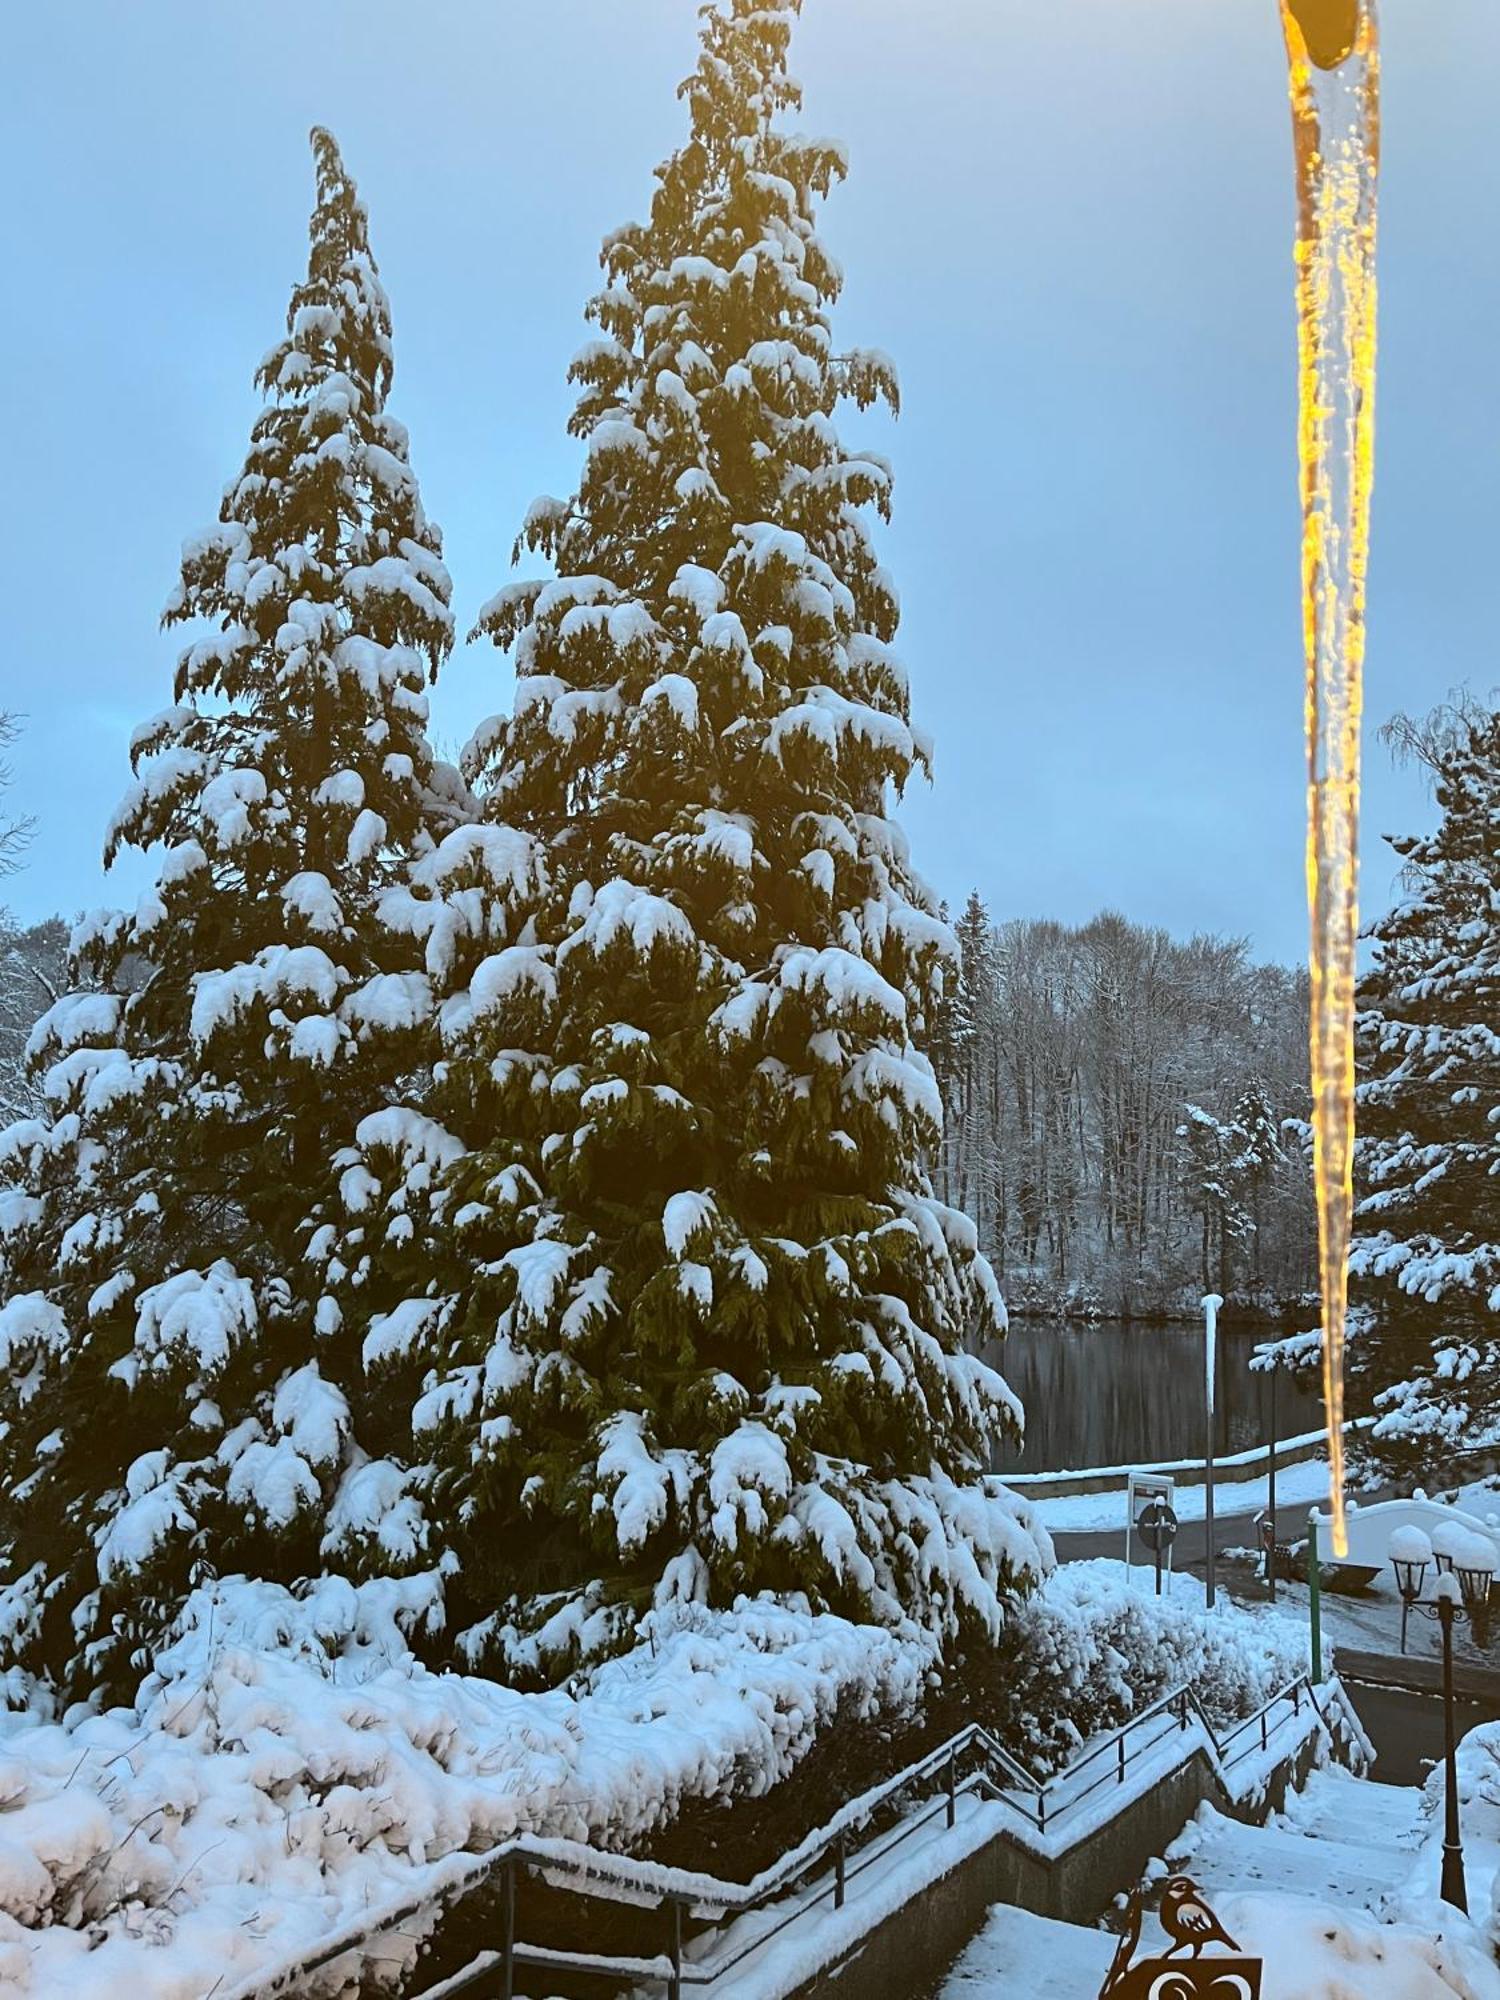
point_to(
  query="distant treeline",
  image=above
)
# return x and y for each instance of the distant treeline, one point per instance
(1127, 1117)
(33, 972)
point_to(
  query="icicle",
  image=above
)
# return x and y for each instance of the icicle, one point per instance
(1334, 55)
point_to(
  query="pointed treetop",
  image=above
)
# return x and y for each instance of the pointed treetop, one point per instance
(176, 1378)
(706, 401)
(326, 582)
(343, 280)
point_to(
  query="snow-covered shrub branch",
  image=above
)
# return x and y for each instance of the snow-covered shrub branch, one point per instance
(1087, 1651)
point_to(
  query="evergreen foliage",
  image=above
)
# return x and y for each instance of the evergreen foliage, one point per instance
(176, 1385)
(1228, 1164)
(1426, 1258)
(682, 1317)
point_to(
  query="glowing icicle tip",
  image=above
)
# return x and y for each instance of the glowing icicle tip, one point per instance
(1329, 29)
(1334, 55)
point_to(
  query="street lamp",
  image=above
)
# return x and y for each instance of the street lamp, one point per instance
(1448, 1541)
(1211, 1305)
(1462, 1590)
(1411, 1558)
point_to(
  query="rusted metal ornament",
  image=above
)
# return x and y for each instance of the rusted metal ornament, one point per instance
(1191, 1979)
(1191, 1925)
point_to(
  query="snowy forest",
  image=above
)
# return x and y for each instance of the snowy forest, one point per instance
(1127, 1118)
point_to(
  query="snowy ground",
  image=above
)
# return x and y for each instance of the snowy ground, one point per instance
(1312, 1951)
(1318, 1934)
(1303, 1485)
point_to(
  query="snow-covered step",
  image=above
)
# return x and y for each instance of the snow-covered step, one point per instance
(1226, 1858)
(1338, 1806)
(1021, 1957)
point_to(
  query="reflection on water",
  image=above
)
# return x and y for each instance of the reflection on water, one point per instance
(1118, 1394)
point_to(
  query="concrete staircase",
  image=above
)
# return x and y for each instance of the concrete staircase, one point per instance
(1343, 1840)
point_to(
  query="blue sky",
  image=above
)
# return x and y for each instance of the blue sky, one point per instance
(1070, 223)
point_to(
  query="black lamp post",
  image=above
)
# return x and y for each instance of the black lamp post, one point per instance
(1462, 1590)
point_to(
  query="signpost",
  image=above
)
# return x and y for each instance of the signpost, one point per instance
(1158, 1530)
(1150, 1515)
(1266, 1524)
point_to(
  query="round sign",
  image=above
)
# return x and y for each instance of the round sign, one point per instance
(1157, 1526)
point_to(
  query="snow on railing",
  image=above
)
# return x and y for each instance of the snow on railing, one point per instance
(819, 1867)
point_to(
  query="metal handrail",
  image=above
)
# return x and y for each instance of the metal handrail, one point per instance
(594, 1873)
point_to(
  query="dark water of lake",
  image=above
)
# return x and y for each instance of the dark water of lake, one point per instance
(1120, 1394)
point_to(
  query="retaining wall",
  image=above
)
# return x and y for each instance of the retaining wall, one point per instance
(1245, 1466)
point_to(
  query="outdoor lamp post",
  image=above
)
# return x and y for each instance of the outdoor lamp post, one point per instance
(1411, 1556)
(1211, 1305)
(1448, 1541)
(1462, 1590)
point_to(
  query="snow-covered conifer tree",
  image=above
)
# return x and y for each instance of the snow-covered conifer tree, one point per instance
(701, 1327)
(1213, 1170)
(1426, 1258)
(1260, 1155)
(177, 1389)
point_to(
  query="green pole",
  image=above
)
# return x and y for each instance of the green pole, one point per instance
(1314, 1597)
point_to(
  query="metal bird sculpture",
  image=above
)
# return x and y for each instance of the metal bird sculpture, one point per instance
(1191, 1924)
(1187, 1919)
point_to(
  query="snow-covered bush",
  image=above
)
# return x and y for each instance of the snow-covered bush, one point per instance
(1327, 1951)
(1087, 1651)
(290, 1765)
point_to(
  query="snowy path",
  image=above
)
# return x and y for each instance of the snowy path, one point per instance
(1305, 1893)
(1347, 1840)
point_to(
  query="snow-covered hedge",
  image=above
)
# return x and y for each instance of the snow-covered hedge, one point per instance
(1086, 1651)
(289, 1764)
